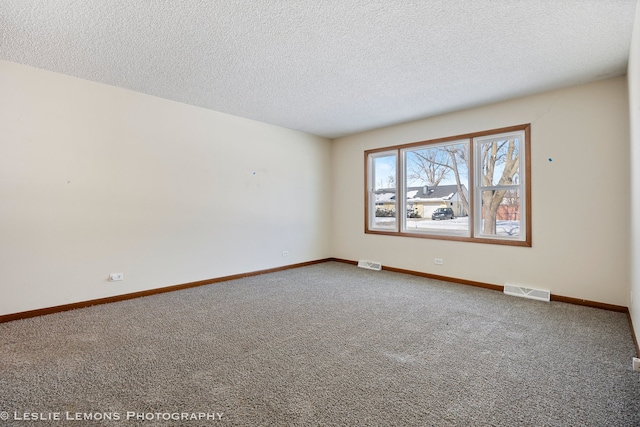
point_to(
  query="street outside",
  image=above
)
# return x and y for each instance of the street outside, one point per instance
(503, 227)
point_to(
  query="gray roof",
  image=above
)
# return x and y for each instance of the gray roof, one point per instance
(435, 192)
(424, 192)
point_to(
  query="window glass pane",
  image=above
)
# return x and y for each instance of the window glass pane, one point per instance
(501, 213)
(437, 182)
(500, 160)
(384, 192)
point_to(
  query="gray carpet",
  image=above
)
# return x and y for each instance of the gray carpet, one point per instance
(328, 344)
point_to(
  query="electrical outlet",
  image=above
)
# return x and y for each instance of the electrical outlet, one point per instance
(636, 364)
(438, 261)
(116, 277)
(285, 253)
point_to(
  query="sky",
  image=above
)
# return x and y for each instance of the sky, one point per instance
(384, 167)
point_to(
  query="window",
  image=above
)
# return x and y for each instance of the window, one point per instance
(473, 187)
(436, 176)
(383, 201)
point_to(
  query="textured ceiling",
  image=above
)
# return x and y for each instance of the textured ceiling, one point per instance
(329, 67)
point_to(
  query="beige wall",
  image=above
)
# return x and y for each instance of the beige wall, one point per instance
(633, 76)
(95, 180)
(580, 199)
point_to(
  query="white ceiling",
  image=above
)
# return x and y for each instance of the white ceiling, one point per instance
(326, 67)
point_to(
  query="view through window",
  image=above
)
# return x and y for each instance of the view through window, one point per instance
(473, 187)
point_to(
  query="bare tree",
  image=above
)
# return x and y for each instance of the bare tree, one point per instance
(459, 153)
(503, 154)
(430, 166)
(391, 181)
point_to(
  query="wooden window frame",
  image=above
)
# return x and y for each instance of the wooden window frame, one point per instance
(525, 150)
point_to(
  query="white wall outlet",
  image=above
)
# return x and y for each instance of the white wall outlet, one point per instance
(636, 364)
(285, 253)
(116, 277)
(438, 261)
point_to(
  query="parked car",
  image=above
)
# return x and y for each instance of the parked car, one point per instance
(442, 213)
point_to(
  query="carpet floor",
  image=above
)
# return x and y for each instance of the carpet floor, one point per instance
(328, 344)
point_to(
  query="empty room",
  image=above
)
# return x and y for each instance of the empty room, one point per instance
(335, 213)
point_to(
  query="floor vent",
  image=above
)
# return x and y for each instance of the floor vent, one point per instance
(370, 265)
(521, 291)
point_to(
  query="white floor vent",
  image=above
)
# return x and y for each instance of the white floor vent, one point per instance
(370, 265)
(521, 291)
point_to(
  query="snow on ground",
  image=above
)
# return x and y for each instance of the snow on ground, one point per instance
(504, 228)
